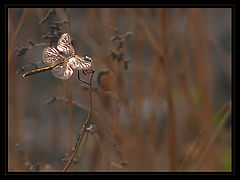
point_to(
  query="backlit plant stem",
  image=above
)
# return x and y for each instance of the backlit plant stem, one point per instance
(83, 128)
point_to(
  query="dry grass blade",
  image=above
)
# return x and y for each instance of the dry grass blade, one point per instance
(199, 137)
(211, 140)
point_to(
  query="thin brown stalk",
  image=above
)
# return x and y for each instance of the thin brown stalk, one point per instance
(211, 140)
(13, 86)
(68, 86)
(12, 44)
(27, 162)
(167, 67)
(199, 137)
(83, 148)
(84, 145)
(83, 128)
(101, 115)
(172, 125)
(144, 28)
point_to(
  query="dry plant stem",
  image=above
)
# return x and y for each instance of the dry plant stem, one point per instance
(84, 145)
(172, 123)
(168, 71)
(98, 113)
(68, 86)
(12, 83)
(161, 50)
(83, 128)
(199, 137)
(12, 44)
(80, 153)
(211, 140)
(26, 160)
(144, 28)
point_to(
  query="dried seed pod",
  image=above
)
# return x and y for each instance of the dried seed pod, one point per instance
(31, 42)
(21, 51)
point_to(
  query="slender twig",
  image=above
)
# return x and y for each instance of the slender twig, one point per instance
(83, 128)
(84, 145)
(90, 130)
(98, 114)
(68, 86)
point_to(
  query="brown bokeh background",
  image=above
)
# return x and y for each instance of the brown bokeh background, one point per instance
(169, 110)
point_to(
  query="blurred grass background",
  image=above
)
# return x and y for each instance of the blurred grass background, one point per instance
(168, 111)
